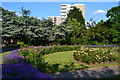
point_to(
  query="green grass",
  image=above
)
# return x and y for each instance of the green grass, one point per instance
(4, 53)
(1, 56)
(64, 61)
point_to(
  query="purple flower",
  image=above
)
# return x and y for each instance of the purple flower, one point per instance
(21, 70)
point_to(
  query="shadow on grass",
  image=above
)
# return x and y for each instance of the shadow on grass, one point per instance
(54, 68)
(67, 71)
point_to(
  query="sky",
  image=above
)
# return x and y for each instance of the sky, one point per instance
(95, 10)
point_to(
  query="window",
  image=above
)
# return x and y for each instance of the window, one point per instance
(63, 12)
(63, 5)
(63, 15)
(63, 19)
(63, 8)
(72, 6)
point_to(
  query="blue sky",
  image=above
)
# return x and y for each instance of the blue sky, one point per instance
(95, 10)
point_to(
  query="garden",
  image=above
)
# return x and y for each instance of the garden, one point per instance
(44, 48)
(53, 59)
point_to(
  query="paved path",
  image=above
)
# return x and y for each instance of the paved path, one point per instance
(100, 72)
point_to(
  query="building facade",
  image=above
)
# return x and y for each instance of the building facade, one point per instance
(56, 19)
(66, 7)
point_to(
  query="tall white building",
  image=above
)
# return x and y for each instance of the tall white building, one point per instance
(64, 11)
(66, 7)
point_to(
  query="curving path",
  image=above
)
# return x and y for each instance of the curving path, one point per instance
(100, 72)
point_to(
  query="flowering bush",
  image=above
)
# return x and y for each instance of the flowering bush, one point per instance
(95, 55)
(27, 51)
(33, 54)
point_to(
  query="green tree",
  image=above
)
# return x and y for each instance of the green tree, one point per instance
(75, 13)
(24, 28)
(9, 21)
(113, 16)
(25, 12)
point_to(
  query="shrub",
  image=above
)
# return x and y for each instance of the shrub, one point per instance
(33, 54)
(95, 55)
(22, 44)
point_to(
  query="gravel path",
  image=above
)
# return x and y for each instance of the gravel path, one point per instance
(100, 72)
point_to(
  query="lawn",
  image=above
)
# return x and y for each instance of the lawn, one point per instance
(1, 56)
(64, 61)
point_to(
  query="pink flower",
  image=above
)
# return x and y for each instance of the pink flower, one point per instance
(20, 52)
(106, 57)
(19, 49)
(21, 56)
(35, 47)
(26, 56)
(35, 50)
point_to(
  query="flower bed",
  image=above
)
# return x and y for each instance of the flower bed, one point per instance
(38, 51)
(33, 54)
(95, 55)
(22, 70)
(13, 67)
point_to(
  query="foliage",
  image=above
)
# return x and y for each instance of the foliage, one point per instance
(77, 22)
(95, 55)
(29, 30)
(113, 16)
(24, 51)
(76, 28)
(34, 55)
(14, 66)
(33, 31)
(22, 44)
(76, 13)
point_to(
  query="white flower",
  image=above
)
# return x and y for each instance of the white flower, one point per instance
(75, 51)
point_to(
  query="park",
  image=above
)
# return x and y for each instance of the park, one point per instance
(38, 48)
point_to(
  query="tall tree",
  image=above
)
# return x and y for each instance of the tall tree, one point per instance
(25, 12)
(113, 16)
(76, 13)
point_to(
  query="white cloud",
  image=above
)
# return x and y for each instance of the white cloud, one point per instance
(99, 12)
(18, 14)
(11, 10)
(38, 17)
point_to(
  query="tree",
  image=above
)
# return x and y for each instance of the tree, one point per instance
(77, 23)
(24, 28)
(76, 13)
(9, 21)
(25, 12)
(113, 16)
